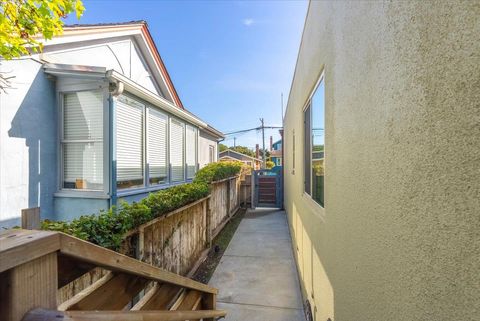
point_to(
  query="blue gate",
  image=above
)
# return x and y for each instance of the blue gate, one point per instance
(269, 187)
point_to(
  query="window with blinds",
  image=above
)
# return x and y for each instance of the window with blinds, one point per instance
(177, 139)
(157, 133)
(191, 151)
(82, 140)
(129, 134)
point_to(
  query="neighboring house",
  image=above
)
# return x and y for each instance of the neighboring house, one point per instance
(231, 155)
(276, 153)
(93, 119)
(391, 89)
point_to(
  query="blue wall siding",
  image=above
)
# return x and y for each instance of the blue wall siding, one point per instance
(68, 208)
(29, 151)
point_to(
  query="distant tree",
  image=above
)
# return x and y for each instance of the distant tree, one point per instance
(267, 153)
(243, 150)
(222, 147)
(269, 164)
(24, 22)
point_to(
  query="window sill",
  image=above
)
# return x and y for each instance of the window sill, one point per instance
(141, 190)
(313, 206)
(82, 194)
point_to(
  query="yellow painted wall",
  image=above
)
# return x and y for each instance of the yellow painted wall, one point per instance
(399, 238)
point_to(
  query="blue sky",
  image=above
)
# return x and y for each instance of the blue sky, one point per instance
(229, 60)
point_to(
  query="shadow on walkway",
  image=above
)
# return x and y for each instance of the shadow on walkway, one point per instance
(257, 276)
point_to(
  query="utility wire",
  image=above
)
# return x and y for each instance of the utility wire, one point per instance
(251, 129)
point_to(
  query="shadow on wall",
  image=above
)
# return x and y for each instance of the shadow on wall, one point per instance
(36, 122)
(316, 285)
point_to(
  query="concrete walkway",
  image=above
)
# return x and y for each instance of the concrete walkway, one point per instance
(257, 277)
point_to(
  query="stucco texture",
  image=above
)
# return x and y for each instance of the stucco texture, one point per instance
(399, 238)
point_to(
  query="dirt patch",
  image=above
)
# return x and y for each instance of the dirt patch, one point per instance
(219, 245)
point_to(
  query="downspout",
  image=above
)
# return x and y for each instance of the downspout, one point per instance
(116, 89)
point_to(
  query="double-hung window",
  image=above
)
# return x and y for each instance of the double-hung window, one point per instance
(130, 136)
(191, 151)
(177, 155)
(82, 140)
(314, 119)
(157, 153)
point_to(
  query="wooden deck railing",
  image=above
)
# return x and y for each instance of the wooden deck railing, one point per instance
(34, 264)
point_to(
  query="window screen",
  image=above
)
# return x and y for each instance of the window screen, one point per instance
(82, 141)
(157, 133)
(129, 125)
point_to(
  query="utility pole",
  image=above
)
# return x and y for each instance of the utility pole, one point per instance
(282, 107)
(234, 141)
(263, 144)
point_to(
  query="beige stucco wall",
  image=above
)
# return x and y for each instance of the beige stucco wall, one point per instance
(399, 238)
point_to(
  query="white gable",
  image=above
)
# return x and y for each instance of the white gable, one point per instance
(121, 55)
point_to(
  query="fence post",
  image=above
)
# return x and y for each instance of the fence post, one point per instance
(208, 221)
(228, 196)
(252, 189)
(31, 218)
(141, 244)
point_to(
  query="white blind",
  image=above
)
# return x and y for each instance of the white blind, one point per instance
(83, 140)
(176, 150)
(157, 145)
(191, 148)
(129, 121)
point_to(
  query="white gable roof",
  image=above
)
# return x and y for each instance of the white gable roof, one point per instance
(126, 48)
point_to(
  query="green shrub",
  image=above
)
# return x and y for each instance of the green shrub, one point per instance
(218, 171)
(107, 228)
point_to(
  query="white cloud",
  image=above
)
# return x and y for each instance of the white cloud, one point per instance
(248, 22)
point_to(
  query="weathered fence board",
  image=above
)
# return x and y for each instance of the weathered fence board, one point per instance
(175, 241)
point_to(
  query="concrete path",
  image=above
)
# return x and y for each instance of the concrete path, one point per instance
(257, 277)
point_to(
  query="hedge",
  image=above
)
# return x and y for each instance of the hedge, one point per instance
(218, 171)
(107, 228)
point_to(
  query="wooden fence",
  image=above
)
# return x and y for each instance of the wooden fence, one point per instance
(179, 240)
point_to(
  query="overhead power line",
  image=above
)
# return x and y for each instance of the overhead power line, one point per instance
(251, 129)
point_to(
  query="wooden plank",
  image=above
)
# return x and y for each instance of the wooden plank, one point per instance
(179, 300)
(20, 246)
(112, 260)
(52, 315)
(85, 292)
(209, 302)
(28, 286)
(162, 298)
(31, 218)
(191, 301)
(70, 290)
(146, 297)
(70, 269)
(113, 294)
(160, 218)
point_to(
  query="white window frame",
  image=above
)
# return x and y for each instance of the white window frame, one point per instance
(305, 107)
(167, 139)
(121, 191)
(87, 193)
(147, 187)
(196, 152)
(184, 126)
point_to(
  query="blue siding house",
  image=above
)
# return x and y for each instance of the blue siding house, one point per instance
(91, 120)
